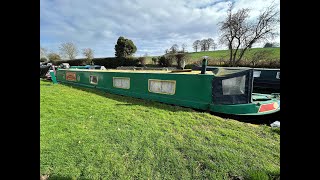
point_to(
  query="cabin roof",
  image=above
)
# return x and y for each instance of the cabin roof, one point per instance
(144, 71)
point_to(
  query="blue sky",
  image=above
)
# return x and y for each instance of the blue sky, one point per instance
(152, 25)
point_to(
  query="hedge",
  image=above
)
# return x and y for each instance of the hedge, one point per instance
(111, 62)
(116, 62)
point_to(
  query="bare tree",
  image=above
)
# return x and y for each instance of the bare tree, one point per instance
(174, 48)
(88, 53)
(196, 45)
(239, 34)
(214, 46)
(184, 46)
(204, 45)
(43, 53)
(210, 43)
(68, 50)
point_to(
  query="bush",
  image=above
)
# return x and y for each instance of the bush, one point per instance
(106, 62)
(43, 59)
(75, 62)
(189, 66)
(182, 59)
(116, 62)
(273, 63)
(154, 60)
(54, 58)
(166, 61)
(170, 59)
(88, 61)
(142, 61)
(162, 61)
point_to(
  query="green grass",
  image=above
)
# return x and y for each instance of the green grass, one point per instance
(274, 53)
(88, 134)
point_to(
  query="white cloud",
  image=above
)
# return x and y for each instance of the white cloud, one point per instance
(152, 25)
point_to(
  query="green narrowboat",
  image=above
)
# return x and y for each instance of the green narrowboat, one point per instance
(221, 91)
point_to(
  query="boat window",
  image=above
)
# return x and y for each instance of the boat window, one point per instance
(256, 73)
(234, 86)
(93, 79)
(162, 86)
(278, 75)
(121, 82)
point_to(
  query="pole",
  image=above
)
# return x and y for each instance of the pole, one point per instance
(204, 66)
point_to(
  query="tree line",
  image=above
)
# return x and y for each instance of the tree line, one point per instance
(123, 48)
(66, 51)
(204, 44)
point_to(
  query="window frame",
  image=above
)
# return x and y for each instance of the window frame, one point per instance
(93, 82)
(159, 80)
(120, 78)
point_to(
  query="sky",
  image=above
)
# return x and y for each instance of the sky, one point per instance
(153, 25)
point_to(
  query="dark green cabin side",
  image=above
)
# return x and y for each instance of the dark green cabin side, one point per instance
(192, 90)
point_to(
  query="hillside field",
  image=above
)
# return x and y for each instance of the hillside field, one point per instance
(214, 56)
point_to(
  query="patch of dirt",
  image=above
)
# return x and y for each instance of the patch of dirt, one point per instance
(234, 177)
(44, 177)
